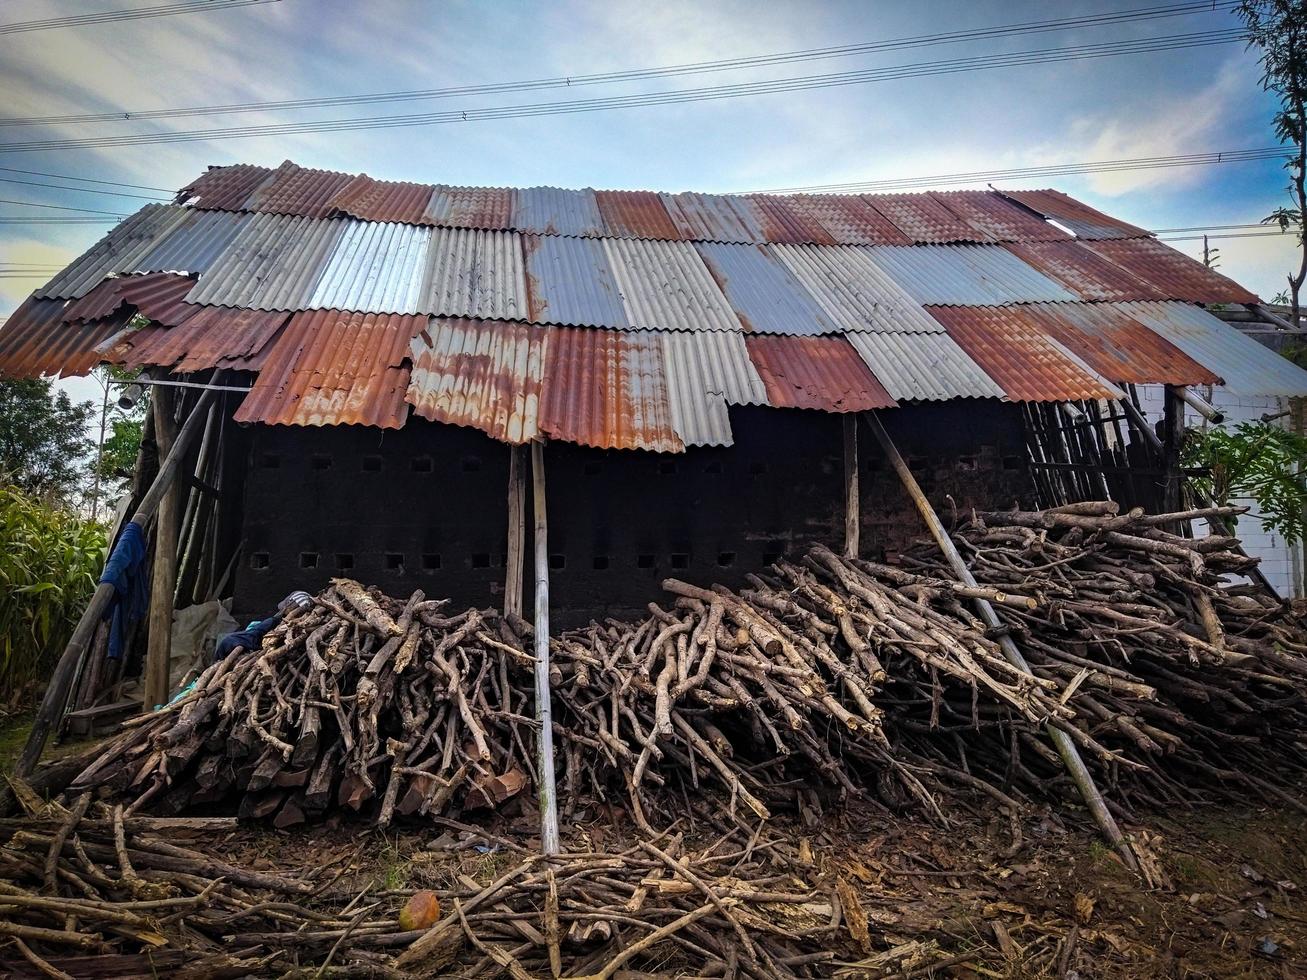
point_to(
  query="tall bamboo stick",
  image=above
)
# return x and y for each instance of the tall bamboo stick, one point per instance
(544, 712)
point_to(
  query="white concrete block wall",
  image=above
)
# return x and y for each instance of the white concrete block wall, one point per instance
(1281, 563)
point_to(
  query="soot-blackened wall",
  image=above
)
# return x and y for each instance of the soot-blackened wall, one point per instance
(425, 507)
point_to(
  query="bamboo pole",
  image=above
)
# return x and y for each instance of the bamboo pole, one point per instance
(544, 712)
(516, 532)
(163, 571)
(852, 495)
(56, 692)
(1080, 775)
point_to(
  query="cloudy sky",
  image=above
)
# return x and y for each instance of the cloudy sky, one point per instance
(1158, 103)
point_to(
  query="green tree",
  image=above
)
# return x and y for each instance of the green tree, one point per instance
(1257, 460)
(119, 436)
(43, 443)
(1278, 29)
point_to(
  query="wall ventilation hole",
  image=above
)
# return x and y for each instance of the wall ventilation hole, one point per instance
(430, 563)
(308, 559)
(471, 464)
(557, 561)
(422, 464)
(726, 559)
(667, 467)
(600, 563)
(771, 557)
(591, 468)
(371, 464)
(680, 560)
(260, 559)
(395, 562)
(321, 461)
(644, 561)
(481, 560)
(344, 562)
(967, 463)
(269, 461)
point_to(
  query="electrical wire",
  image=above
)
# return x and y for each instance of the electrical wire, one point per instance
(82, 190)
(133, 13)
(85, 180)
(59, 207)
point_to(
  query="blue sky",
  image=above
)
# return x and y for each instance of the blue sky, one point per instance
(1162, 103)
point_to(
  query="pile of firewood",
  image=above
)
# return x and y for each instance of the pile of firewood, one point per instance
(827, 677)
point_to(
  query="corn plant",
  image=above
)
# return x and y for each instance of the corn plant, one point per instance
(50, 560)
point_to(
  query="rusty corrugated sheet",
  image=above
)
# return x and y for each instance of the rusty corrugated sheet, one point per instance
(998, 218)
(556, 211)
(570, 282)
(194, 244)
(635, 214)
(713, 218)
(762, 292)
(607, 388)
(965, 275)
(788, 220)
(1021, 356)
(921, 218)
(1084, 221)
(206, 337)
(666, 286)
(117, 252)
(1173, 273)
(474, 273)
(1084, 272)
(850, 220)
(158, 296)
(480, 373)
(298, 190)
(99, 303)
(374, 267)
(486, 208)
(824, 373)
(923, 366)
(224, 188)
(332, 368)
(383, 200)
(35, 341)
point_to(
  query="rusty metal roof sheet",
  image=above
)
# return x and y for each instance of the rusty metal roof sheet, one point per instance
(331, 368)
(209, 337)
(487, 208)
(998, 218)
(665, 286)
(853, 291)
(607, 388)
(299, 191)
(225, 188)
(763, 293)
(117, 252)
(706, 372)
(1245, 366)
(850, 220)
(1084, 272)
(1084, 221)
(635, 214)
(480, 373)
(714, 218)
(157, 296)
(924, 219)
(555, 211)
(1176, 275)
(35, 341)
(789, 220)
(569, 282)
(965, 275)
(194, 244)
(273, 263)
(1016, 352)
(382, 200)
(923, 366)
(824, 373)
(374, 267)
(474, 273)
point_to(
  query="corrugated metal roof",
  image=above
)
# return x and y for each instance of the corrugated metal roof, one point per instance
(488, 208)
(762, 292)
(706, 372)
(713, 218)
(383, 200)
(1019, 355)
(117, 252)
(480, 373)
(330, 368)
(789, 220)
(375, 267)
(569, 282)
(1084, 272)
(965, 275)
(853, 291)
(34, 341)
(923, 366)
(95, 305)
(1085, 221)
(155, 295)
(1175, 274)
(850, 220)
(607, 388)
(555, 211)
(209, 337)
(923, 219)
(824, 373)
(1246, 367)
(274, 263)
(298, 190)
(635, 214)
(194, 244)
(666, 286)
(225, 188)
(994, 216)
(474, 273)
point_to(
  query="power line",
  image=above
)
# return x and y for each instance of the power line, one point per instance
(678, 96)
(134, 13)
(59, 207)
(83, 190)
(85, 180)
(640, 74)
(1243, 234)
(10, 220)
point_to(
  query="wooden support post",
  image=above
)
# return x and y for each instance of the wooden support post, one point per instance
(163, 573)
(516, 531)
(1066, 748)
(544, 711)
(852, 496)
(1172, 437)
(56, 692)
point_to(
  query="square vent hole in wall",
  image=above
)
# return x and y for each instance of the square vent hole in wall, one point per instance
(260, 561)
(308, 559)
(344, 563)
(320, 461)
(394, 562)
(644, 561)
(430, 563)
(423, 464)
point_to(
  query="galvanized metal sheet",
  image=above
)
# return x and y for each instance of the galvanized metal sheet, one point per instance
(329, 368)
(194, 244)
(850, 220)
(714, 218)
(1084, 221)
(555, 211)
(383, 200)
(1017, 353)
(375, 267)
(1084, 272)
(225, 188)
(923, 366)
(569, 282)
(666, 286)
(298, 190)
(965, 275)
(923, 219)
(635, 214)
(823, 373)
(117, 252)
(474, 273)
(994, 216)
(480, 373)
(485, 208)
(209, 337)
(607, 388)
(706, 372)
(1173, 273)
(1245, 366)
(765, 296)
(788, 220)
(853, 291)
(274, 263)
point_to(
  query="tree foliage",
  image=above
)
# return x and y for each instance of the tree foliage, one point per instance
(1257, 460)
(43, 442)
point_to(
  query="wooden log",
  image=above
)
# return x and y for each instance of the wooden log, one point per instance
(852, 496)
(516, 564)
(163, 569)
(546, 784)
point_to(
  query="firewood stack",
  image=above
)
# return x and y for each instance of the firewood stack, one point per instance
(826, 677)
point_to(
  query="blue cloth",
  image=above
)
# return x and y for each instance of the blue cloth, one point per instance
(126, 572)
(248, 638)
